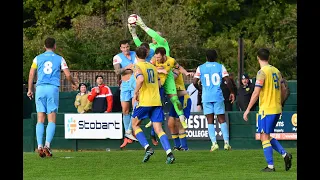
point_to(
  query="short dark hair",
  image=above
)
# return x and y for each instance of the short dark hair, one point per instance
(160, 50)
(263, 54)
(211, 55)
(50, 42)
(124, 42)
(146, 45)
(99, 76)
(141, 52)
(83, 84)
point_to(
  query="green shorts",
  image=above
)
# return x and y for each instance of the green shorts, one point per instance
(169, 84)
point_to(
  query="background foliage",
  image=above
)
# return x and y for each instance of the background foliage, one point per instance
(88, 31)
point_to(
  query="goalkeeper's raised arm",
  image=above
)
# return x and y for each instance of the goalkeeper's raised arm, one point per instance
(132, 30)
(157, 40)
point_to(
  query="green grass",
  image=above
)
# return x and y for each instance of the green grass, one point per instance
(235, 164)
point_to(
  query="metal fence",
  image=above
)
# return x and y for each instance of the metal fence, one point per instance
(109, 76)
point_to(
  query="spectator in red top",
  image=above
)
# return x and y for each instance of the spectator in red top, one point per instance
(101, 97)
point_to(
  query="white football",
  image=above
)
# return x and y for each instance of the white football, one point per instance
(132, 19)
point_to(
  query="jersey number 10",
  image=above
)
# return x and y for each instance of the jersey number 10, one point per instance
(150, 75)
(215, 79)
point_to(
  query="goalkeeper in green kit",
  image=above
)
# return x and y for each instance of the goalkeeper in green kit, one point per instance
(169, 84)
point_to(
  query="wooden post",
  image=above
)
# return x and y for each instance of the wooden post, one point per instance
(240, 59)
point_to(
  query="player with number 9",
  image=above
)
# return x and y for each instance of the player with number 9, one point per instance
(211, 74)
(271, 92)
(47, 66)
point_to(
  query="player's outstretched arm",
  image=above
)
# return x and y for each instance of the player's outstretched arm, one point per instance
(160, 40)
(136, 40)
(196, 79)
(183, 70)
(176, 73)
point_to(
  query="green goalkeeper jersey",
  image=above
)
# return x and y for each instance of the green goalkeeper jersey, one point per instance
(161, 42)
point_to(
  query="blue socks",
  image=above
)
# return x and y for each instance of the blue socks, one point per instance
(51, 128)
(126, 121)
(164, 142)
(176, 140)
(267, 150)
(212, 133)
(141, 137)
(39, 133)
(277, 146)
(225, 132)
(183, 141)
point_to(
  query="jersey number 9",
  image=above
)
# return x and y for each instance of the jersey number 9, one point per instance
(150, 75)
(275, 80)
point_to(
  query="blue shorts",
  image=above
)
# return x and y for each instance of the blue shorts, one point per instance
(186, 110)
(134, 107)
(127, 89)
(267, 123)
(47, 98)
(213, 108)
(154, 113)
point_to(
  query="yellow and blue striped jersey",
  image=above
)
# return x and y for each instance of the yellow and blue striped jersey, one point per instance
(168, 65)
(269, 79)
(149, 93)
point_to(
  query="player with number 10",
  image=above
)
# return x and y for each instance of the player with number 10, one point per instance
(210, 74)
(149, 104)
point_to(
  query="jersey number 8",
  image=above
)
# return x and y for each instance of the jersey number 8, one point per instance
(47, 67)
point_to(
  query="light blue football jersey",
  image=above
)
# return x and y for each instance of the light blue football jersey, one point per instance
(210, 75)
(49, 65)
(123, 60)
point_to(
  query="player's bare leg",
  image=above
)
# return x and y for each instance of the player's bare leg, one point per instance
(225, 132)
(39, 133)
(211, 131)
(126, 122)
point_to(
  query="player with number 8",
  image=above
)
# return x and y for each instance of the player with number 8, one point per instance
(47, 66)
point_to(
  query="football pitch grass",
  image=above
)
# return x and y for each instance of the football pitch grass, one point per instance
(127, 164)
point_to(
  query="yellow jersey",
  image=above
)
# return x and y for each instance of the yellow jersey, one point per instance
(269, 79)
(149, 93)
(168, 65)
(180, 83)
